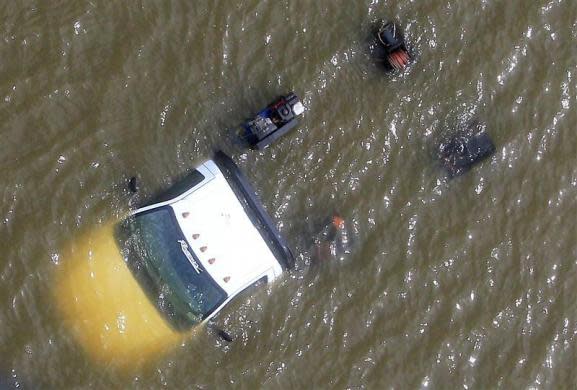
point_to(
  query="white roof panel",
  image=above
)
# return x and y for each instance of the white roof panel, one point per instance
(223, 237)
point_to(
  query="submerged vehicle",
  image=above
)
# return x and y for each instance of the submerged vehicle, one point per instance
(465, 148)
(135, 288)
(390, 47)
(271, 123)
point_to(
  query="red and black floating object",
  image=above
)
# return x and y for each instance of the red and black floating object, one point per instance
(390, 46)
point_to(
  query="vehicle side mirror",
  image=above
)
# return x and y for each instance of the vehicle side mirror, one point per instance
(133, 184)
(220, 332)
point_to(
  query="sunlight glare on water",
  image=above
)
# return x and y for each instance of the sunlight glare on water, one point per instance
(452, 283)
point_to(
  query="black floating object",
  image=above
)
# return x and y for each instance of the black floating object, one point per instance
(221, 333)
(274, 121)
(133, 184)
(224, 335)
(390, 47)
(460, 152)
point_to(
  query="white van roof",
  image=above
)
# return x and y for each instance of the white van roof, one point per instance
(222, 235)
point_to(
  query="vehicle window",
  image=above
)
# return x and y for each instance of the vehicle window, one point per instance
(167, 268)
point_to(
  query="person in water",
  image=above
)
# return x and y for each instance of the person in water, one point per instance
(333, 241)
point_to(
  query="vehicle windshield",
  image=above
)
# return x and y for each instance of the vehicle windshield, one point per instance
(168, 269)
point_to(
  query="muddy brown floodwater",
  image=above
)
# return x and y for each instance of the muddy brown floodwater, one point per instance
(463, 283)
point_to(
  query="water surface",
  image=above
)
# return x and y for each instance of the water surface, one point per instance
(462, 283)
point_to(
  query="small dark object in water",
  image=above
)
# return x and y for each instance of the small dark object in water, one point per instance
(462, 151)
(225, 336)
(273, 122)
(133, 184)
(220, 332)
(333, 241)
(390, 46)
